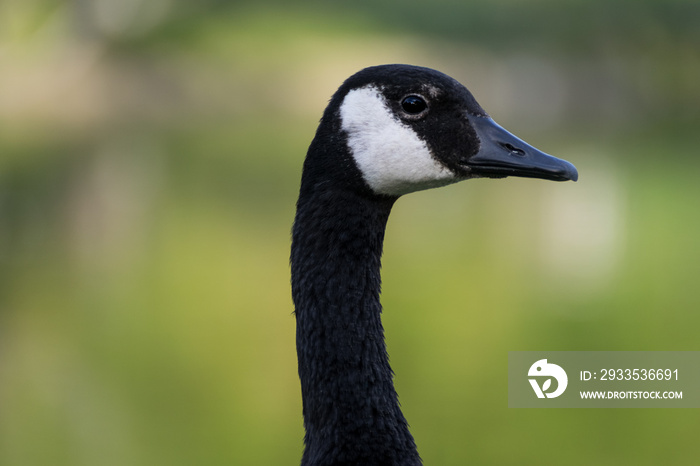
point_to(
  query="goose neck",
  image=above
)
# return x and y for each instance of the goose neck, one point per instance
(350, 407)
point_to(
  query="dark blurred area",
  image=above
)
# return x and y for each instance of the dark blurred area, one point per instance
(150, 155)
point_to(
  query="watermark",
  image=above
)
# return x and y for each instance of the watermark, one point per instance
(604, 379)
(543, 369)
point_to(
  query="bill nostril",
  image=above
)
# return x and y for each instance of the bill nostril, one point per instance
(512, 149)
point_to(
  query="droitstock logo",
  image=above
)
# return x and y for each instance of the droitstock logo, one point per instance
(545, 371)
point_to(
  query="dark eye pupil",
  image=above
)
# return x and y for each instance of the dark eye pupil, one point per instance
(413, 104)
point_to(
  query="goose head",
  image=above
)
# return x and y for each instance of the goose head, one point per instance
(405, 128)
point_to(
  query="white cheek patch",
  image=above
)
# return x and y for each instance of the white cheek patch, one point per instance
(392, 158)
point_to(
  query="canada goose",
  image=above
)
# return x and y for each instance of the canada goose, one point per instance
(389, 130)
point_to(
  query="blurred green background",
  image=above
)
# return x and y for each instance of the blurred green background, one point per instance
(150, 156)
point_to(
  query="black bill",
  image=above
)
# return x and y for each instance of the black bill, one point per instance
(503, 154)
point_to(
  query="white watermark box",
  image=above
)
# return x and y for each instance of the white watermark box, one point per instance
(604, 379)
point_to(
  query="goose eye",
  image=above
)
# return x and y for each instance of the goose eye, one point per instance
(413, 104)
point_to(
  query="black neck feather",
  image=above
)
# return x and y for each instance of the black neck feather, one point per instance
(351, 410)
